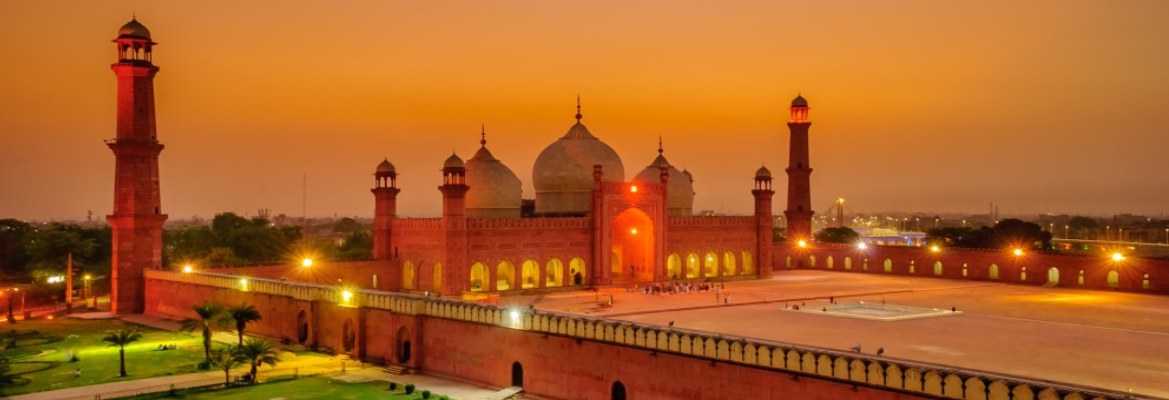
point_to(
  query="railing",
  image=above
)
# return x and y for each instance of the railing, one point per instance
(854, 368)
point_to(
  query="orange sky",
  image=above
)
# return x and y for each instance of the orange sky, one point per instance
(1038, 106)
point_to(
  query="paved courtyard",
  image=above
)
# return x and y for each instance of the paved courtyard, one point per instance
(1112, 340)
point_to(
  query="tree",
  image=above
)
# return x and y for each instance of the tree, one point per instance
(242, 315)
(121, 338)
(13, 238)
(209, 315)
(347, 225)
(837, 235)
(1013, 232)
(225, 360)
(358, 246)
(47, 250)
(982, 238)
(258, 352)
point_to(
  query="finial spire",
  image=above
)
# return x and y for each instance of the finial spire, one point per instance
(483, 135)
(578, 108)
(659, 145)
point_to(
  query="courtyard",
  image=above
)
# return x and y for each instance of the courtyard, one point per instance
(1110, 340)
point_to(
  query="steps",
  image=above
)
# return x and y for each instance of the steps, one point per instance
(510, 393)
(396, 369)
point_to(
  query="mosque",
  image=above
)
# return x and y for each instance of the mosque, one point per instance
(590, 225)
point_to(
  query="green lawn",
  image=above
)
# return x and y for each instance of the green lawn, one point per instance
(308, 388)
(45, 362)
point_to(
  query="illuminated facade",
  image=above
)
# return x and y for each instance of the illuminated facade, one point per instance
(590, 227)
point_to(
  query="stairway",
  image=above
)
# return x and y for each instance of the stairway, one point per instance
(396, 369)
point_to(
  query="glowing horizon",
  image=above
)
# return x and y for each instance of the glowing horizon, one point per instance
(916, 106)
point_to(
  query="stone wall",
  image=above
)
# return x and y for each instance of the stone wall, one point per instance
(566, 356)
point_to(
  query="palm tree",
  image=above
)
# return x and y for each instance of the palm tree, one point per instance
(242, 315)
(226, 359)
(209, 314)
(258, 352)
(121, 338)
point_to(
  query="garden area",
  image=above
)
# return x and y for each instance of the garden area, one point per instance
(65, 352)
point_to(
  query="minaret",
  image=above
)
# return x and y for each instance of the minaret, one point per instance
(799, 171)
(136, 223)
(385, 209)
(454, 224)
(763, 221)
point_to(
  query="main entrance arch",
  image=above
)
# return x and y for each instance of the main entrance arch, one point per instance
(632, 246)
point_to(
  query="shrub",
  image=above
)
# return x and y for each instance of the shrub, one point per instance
(393, 385)
(426, 394)
(203, 365)
(409, 388)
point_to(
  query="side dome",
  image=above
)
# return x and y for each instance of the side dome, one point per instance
(453, 162)
(799, 101)
(495, 191)
(679, 188)
(385, 167)
(563, 172)
(134, 29)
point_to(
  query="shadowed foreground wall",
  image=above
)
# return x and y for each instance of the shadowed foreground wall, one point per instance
(567, 356)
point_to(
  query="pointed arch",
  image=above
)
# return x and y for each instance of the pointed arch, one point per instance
(937, 268)
(888, 265)
(848, 263)
(408, 275)
(829, 262)
(479, 277)
(436, 282)
(994, 271)
(530, 275)
(729, 264)
(748, 263)
(674, 266)
(505, 276)
(692, 266)
(710, 264)
(1113, 279)
(554, 273)
(576, 271)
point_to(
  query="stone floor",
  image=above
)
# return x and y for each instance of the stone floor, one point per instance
(1112, 340)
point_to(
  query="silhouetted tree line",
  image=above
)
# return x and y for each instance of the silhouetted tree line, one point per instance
(35, 251)
(1007, 233)
(232, 240)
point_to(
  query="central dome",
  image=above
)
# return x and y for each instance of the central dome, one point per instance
(563, 173)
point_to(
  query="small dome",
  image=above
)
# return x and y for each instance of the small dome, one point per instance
(453, 162)
(763, 172)
(134, 29)
(563, 172)
(679, 188)
(799, 101)
(385, 167)
(496, 191)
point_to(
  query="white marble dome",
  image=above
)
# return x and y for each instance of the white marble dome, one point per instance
(495, 191)
(679, 188)
(563, 173)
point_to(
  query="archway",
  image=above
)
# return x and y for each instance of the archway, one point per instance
(505, 276)
(812, 261)
(1023, 274)
(728, 264)
(1113, 279)
(994, 271)
(530, 275)
(888, 265)
(848, 263)
(1053, 276)
(618, 391)
(554, 273)
(788, 262)
(829, 262)
(301, 327)
(478, 277)
(576, 270)
(436, 283)
(1145, 282)
(692, 270)
(517, 374)
(632, 246)
(674, 267)
(348, 335)
(710, 265)
(408, 275)
(403, 345)
(937, 268)
(748, 264)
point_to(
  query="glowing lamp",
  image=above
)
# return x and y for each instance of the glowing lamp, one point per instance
(243, 282)
(515, 315)
(346, 295)
(935, 249)
(633, 231)
(1018, 252)
(1117, 256)
(862, 246)
(307, 262)
(186, 268)
(633, 189)
(802, 244)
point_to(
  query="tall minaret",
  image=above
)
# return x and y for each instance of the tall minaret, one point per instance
(137, 219)
(385, 209)
(763, 221)
(454, 224)
(799, 171)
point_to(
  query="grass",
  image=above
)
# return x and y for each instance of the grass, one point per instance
(45, 364)
(309, 388)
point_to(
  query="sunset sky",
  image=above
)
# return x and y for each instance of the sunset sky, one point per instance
(939, 106)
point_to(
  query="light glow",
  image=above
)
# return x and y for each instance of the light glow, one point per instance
(935, 249)
(306, 262)
(633, 189)
(1117, 256)
(862, 246)
(346, 295)
(1018, 252)
(515, 315)
(186, 268)
(633, 231)
(802, 243)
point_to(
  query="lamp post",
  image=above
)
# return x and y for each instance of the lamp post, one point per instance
(1166, 235)
(1065, 232)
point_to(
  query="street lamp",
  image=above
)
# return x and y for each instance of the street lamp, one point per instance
(935, 249)
(1018, 252)
(802, 244)
(1065, 232)
(1116, 256)
(306, 262)
(187, 268)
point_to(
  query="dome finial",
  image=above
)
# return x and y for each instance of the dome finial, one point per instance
(578, 108)
(483, 135)
(659, 145)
